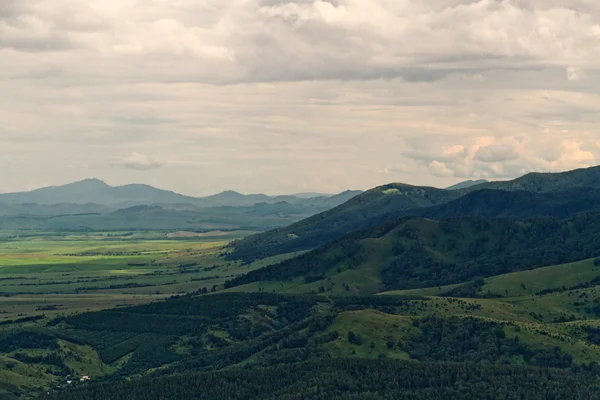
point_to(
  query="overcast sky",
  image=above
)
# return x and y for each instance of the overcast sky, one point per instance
(283, 96)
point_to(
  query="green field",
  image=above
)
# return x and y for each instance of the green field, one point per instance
(55, 273)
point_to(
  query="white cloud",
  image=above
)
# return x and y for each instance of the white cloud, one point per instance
(215, 41)
(496, 153)
(572, 156)
(440, 169)
(511, 157)
(139, 161)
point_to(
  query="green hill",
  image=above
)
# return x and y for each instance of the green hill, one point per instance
(150, 351)
(466, 184)
(354, 379)
(395, 200)
(514, 204)
(418, 253)
(363, 211)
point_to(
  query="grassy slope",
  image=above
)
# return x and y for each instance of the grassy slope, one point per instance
(459, 249)
(530, 317)
(530, 282)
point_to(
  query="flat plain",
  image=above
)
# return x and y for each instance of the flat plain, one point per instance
(55, 273)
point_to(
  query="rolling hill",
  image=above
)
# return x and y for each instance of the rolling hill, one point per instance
(272, 346)
(396, 200)
(411, 253)
(365, 210)
(466, 184)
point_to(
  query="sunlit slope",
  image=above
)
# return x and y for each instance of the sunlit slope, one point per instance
(420, 253)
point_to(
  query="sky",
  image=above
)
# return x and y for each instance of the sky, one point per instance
(285, 96)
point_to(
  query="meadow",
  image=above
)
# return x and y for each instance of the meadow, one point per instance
(55, 273)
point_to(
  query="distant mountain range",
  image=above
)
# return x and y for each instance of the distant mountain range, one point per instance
(92, 205)
(95, 191)
(303, 221)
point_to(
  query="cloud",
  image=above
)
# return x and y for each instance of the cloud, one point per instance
(575, 73)
(440, 169)
(572, 155)
(22, 29)
(496, 153)
(138, 161)
(265, 95)
(508, 157)
(257, 40)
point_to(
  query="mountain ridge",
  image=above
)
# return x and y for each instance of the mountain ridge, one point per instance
(467, 184)
(96, 191)
(391, 201)
(416, 252)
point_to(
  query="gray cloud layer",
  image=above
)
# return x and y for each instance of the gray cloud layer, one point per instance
(281, 96)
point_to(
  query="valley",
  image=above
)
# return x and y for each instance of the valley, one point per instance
(51, 273)
(496, 286)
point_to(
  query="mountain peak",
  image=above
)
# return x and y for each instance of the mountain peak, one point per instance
(90, 182)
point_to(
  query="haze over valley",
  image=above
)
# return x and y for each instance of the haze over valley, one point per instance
(299, 199)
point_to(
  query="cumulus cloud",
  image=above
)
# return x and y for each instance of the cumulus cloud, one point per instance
(508, 158)
(139, 161)
(496, 153)
(440, 169)
(572, 155)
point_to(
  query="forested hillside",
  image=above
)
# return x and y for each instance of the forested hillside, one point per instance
(416, 253)
(354, 380)
(514, 204)
(560, 195)
(268, 346)
(322, 347)
(363, 211)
